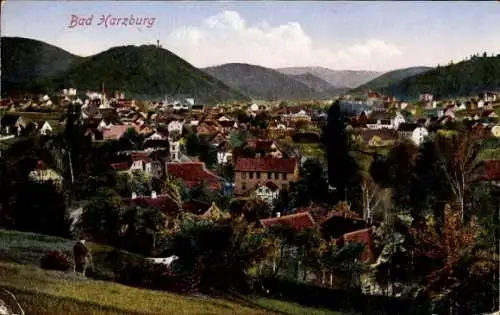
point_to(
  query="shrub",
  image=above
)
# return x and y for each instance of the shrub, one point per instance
(155, 276)
(56, 260)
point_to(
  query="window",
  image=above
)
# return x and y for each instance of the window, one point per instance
(243, 175)
(258, 175)
(276, 176)
(269, 175)
(250, 175)
(283, 176)
(243, 186)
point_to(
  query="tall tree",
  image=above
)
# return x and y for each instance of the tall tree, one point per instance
(101, 218)
(343, 170)
(458, 158)
(141, 227)
(312, 185)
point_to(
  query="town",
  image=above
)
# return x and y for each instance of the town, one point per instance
(163, 163)
(250, 159)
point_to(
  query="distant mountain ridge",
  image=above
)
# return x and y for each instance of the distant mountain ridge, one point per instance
(265, 83)
(143, 72)
(336, 78)
(316, 83)
(390, 78)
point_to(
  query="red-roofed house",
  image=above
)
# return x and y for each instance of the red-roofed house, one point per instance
(160, 202)
(115, 132)
(297, 221)
(365, 237)
(250, 172)
(135, 161)
(194, 173)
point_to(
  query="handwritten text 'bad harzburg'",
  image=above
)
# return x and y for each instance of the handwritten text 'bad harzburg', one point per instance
(109, 20)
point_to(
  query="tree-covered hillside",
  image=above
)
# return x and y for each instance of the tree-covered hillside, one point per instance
(145, 71)
(475, 75)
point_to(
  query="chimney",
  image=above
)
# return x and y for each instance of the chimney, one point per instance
(134, 195)
(153, 194)
(278, 214)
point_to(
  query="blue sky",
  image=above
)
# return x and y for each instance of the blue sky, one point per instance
(338, 35)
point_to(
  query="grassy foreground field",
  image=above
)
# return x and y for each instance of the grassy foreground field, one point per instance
(57, 293)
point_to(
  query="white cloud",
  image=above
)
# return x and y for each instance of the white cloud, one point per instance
(227, 37)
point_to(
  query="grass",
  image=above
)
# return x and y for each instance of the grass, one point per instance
(57, 293)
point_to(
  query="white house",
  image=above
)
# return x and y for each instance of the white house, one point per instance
(419, 135)
(224, 157)
(175, 127)
(46, 129)
(163, 260)
(103, 125)
(157, 136)
(268, 193)
(190, 101)
(141, 164)
(254, 108)
(175, 150)
(397, 120)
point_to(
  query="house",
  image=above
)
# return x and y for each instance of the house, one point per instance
(161, 202)
(268, 192)
(378, 137)
(167, 261)
(156, 141)
(405, 130)
(265, 147)
(135, 161)
(11, 124)
(175, 150)
(365, 237)
(249, 172)
(46, 129)
(195, 173)
(214, 213)
(115, 132)
(42, 173)
(175, 128)
(426, 97)
(197, 108)
(297, 221)
(253, 109)
(419, 135)
(224, 157)
(292, 119)
(382, 120)
(208, 128)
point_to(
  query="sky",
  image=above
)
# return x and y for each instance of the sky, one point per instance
(378, 36)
